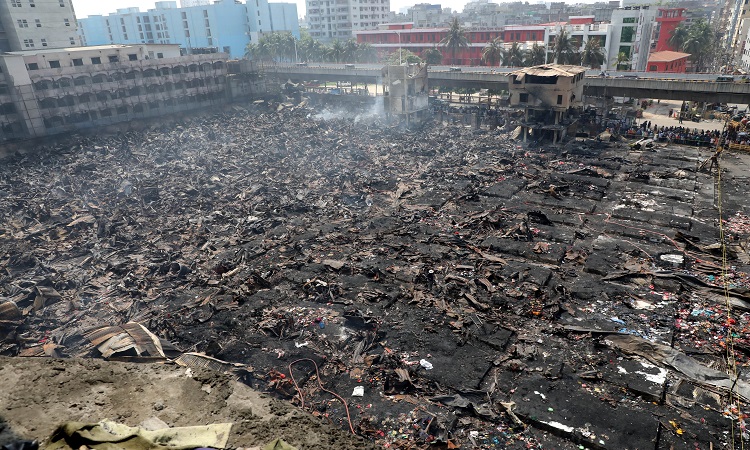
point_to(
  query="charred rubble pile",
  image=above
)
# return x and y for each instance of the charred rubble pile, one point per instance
(443, 288)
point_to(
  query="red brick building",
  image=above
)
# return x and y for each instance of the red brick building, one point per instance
(667, 61)
(416, 40)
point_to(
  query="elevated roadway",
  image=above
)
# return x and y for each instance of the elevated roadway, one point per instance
(695, 87)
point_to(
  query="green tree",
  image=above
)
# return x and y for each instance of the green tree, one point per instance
(513, 56)
(432, 56)
(535, 55)
(493, 52)
(395, 58)
(700, 43)
(679, 36)
(455, 39)
(335, 52)
(593, 54)
(366, 53)
(564, 48)
(309, 49)
(350, 51)
(623, 61)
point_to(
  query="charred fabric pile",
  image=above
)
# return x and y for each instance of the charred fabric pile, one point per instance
(434, 289)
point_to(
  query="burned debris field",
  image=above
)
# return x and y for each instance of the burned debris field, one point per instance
(455, 289)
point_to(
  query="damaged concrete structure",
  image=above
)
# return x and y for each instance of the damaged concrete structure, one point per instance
(48, 91)
(547, 94)
(406, 89)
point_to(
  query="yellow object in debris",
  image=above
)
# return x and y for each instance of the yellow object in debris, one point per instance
(108, 435)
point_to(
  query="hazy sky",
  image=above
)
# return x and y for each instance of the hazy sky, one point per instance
(88, 7)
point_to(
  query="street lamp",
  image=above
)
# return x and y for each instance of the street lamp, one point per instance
(398, 33)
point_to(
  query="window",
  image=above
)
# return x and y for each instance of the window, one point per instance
(523, 98)
(31, 3)
(28, 43)
(23, 23)
(630, 20)
(62, 4)
(54, 64)
(652, 68)
(559, 99)
(96, 60)
(33, 66)
(184, 15)
(205, 13)
(15, 3)
(627, 34)
(44, 42)
(38, 23)
(113, 58)
(187, 33)
(160, 55)
(72, 41)
(67, 22)
(132, 57)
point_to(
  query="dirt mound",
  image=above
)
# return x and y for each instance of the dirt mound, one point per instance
(40, 394)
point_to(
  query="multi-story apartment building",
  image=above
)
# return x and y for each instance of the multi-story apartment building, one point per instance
(631, 31)
(226, 25)
(37, 24)
(580, 30)
(47, 91)
(341, 19)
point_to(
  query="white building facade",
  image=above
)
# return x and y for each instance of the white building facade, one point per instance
(330, 20)
(631, 34)
(37, 24)
(45, 92)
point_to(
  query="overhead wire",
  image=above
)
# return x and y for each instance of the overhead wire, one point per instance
(730, 353)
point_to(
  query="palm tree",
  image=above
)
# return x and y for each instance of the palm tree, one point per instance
(513, 56)
(366, 53)
(679, 36)
(699, 43)
(493, 53)
(335, 52)
(535, 55)
(455, 39)
(563, 48)
(350, 51)
(623, 61)
(593, 54)
(432, 56)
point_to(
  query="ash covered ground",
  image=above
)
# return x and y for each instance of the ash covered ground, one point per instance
(482, 294)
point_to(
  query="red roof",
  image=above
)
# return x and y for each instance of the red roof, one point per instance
(666, 56)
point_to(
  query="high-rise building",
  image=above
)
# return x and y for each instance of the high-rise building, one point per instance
(37, 24)
(338, 19)
(225, 25)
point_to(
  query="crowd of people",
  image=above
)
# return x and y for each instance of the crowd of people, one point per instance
(674, 134)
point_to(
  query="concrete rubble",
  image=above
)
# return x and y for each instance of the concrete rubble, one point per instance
(437, 288)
